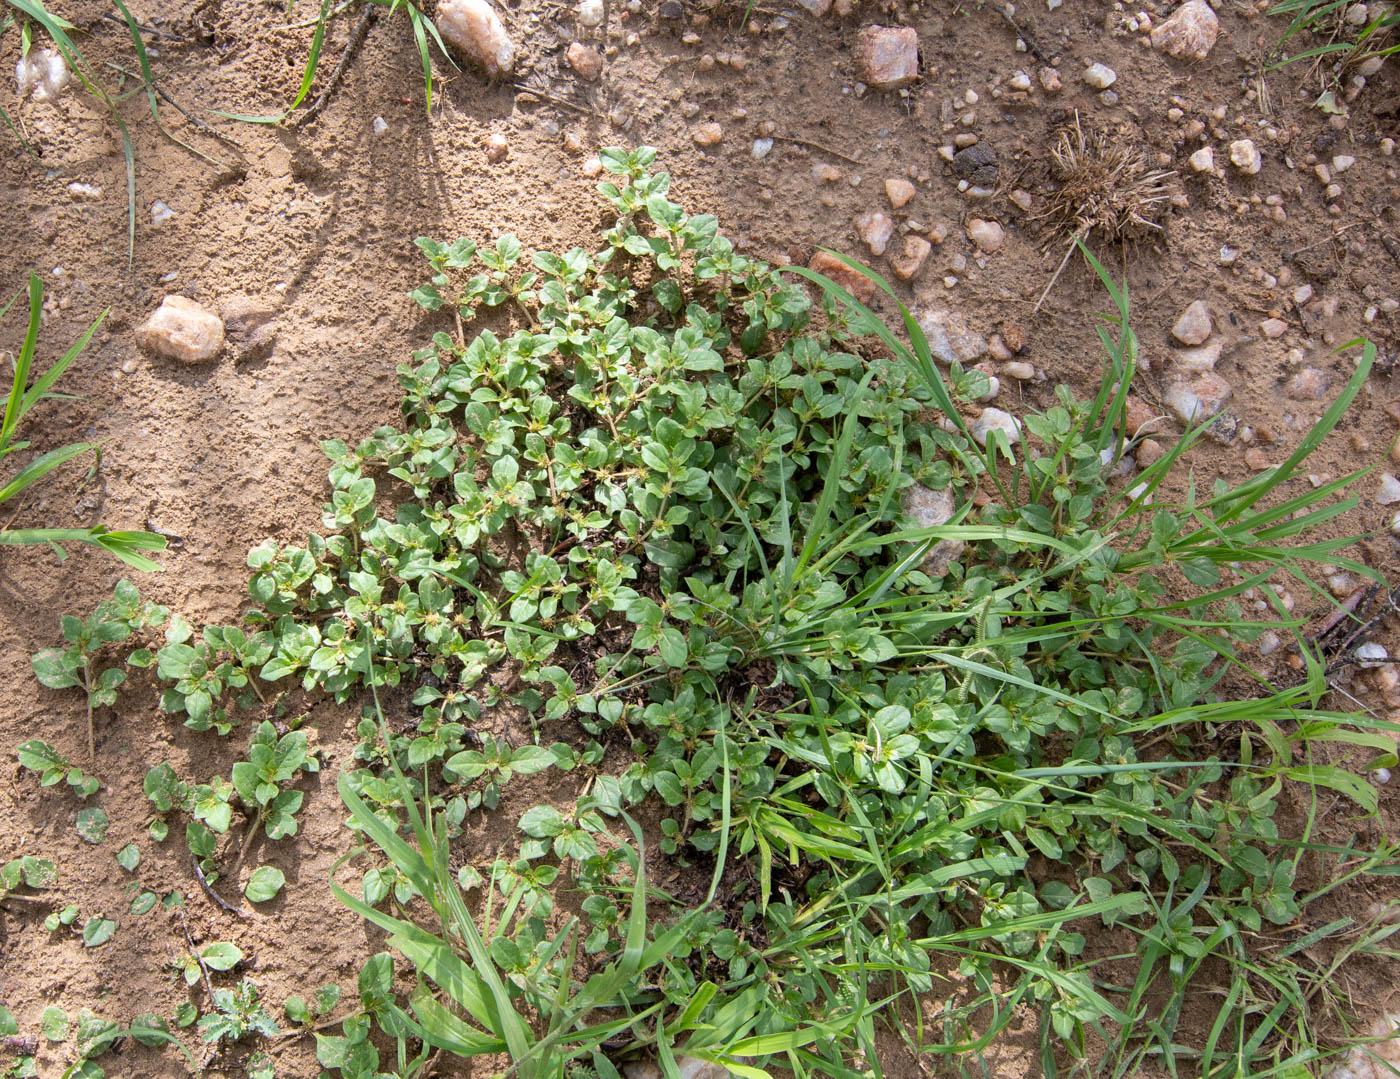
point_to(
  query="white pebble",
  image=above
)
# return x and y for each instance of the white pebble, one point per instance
(1203, 160)
(379, 125)
(1100, 76)
(1389, 492)
(1371, 655)
(761, 148)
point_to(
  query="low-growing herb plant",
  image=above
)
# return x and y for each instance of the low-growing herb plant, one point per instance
(238, 1012)
(38, 756)
(661, 537)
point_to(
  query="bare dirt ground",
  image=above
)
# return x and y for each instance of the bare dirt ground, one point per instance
(304, 241)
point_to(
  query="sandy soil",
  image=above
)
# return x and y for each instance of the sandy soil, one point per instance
(303, 239)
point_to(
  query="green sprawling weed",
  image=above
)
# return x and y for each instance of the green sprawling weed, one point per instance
(656, 539)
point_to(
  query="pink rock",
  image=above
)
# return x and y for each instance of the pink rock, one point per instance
(910, 261)
(899, 191)
(888, 57)
(857, 284)
(1198, 397)
(1309, 384)
(1194, 324)
(875, 229)
(987, 235)
(816, 7)
(586, 61)
(182, 330)
(1189, 34)
(707, 134)
(474, 29)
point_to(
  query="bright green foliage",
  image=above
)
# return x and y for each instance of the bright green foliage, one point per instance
(38, 756)
(264, 884)
(664, 520)
(271, 762)
(25, 391)
(237, 1013)
(27, 872)
(1329, 22)
(323, 1003)
(221, 955)
(92, 824)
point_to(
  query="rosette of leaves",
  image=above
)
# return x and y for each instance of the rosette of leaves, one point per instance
(273, 762)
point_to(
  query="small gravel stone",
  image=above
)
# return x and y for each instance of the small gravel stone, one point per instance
(379, 125)
(1273, 328)
(875, 230)
(761, 148)
(1371, 655)
(1256, 459)
(987, 235)
(1149, 452)
(950, 337)
(823, 173)
(1137, 415)
(1245, 156)
(898, 191)
(1268, 643)
(1389, 491)
(857, 284)
(1194, 324)
(1020, 370)
(1203, 160)
(1050, 80)
(1189, 34)
(1202, 358)
(182, 330)
(887, 56)
(1342, 162)
(475, 30)
(1309, 384)
(496, 148)
(930, 509)
(160, 213)
(707, 134)
(994, 419)
(1022, 199)
(816, 7)
(1197, 397)
(589, 13)
(910, 260)
(586, 61)
(977, 164)
(1019, 81)
(1100, 76)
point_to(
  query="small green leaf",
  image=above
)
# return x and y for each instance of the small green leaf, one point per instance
(265, 883)
(92, 824)
(221, 955)
(98, 931)
(143, 902)
(53, 1021)
(129, 857)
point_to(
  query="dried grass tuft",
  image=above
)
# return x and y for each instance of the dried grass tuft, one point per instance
(1105, 186)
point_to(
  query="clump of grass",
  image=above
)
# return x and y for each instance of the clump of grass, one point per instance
(1106, 189)
(1347, 43)
(23, 395)
(664, 521)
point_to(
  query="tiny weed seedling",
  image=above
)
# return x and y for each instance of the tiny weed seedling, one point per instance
(662, 526)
